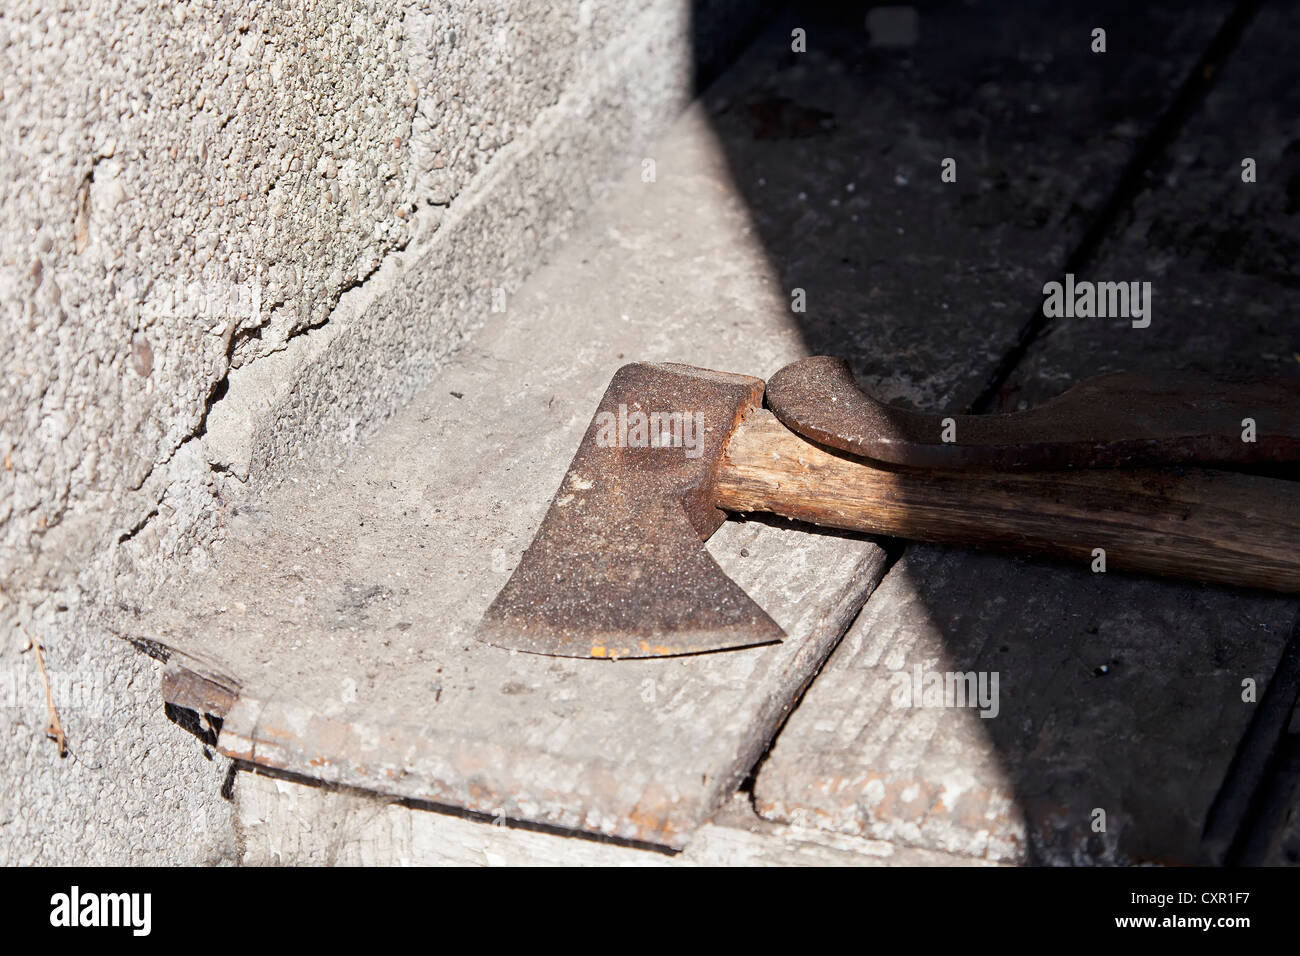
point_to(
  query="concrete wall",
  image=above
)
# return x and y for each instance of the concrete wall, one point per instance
(229, 241)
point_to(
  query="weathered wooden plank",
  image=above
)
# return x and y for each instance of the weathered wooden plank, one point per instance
(1277, 841)
(1116, 694)
(1221, 254)
(1265, 779)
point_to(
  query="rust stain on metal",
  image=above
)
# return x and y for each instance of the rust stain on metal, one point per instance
(1121, 420)
(618, 568)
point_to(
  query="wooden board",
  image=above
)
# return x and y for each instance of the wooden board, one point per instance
(1117, 694)
(641, 750)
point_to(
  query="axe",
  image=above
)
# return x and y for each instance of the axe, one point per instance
(1119, 463)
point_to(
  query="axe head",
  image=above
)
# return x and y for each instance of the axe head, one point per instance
(618, 567)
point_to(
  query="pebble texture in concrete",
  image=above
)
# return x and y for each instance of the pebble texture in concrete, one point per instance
(133, 788)
(202, 195)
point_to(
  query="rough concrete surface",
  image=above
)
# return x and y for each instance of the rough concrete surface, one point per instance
(286, 822)
(232, 238)
(135, 788)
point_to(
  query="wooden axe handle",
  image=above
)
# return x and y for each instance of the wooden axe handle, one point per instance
(1205, 525)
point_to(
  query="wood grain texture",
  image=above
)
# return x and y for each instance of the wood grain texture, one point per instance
(1189, 523)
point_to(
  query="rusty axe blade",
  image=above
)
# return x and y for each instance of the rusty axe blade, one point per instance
(618, 567)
